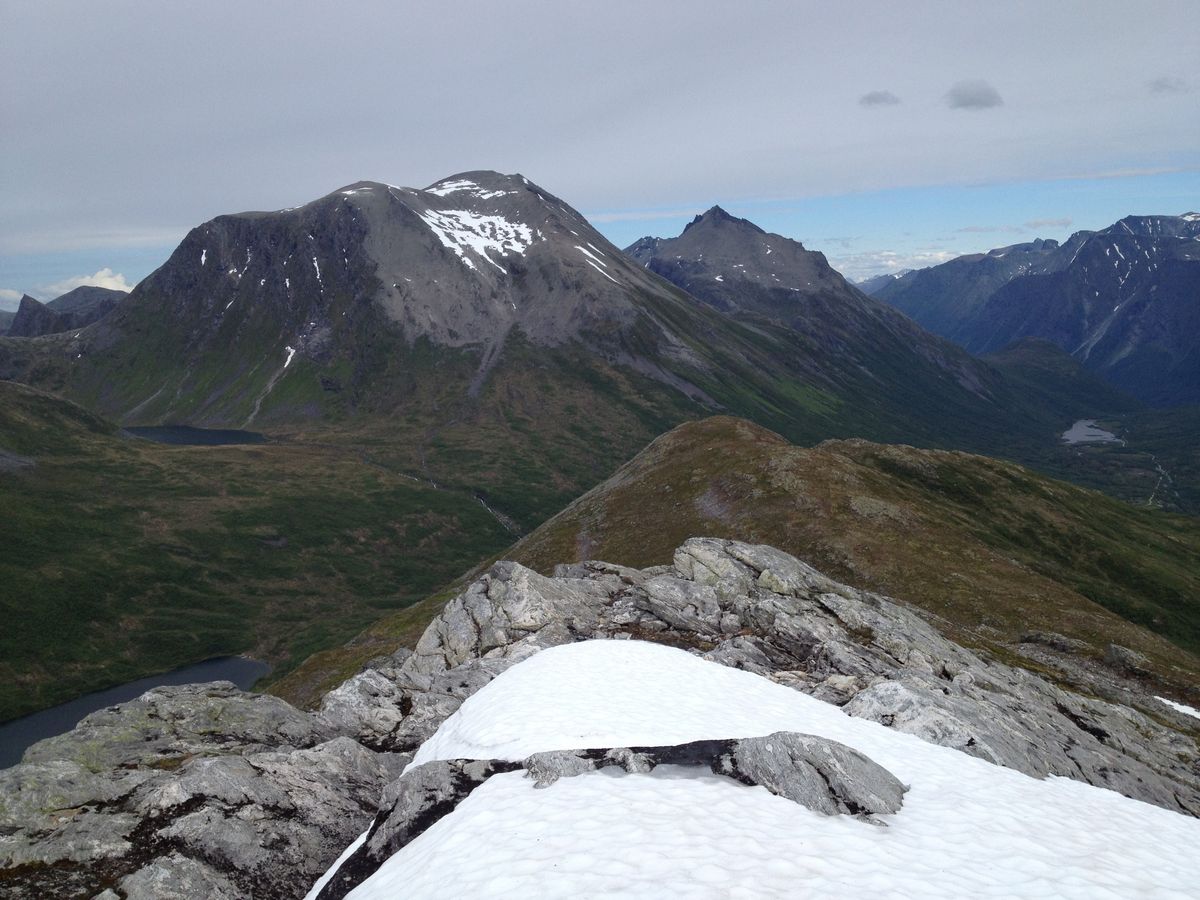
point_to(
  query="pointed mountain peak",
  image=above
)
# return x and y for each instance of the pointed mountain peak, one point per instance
(719, 218)
(26, 300)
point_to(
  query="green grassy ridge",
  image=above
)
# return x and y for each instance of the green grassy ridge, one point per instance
(987, 548)
(990, 547)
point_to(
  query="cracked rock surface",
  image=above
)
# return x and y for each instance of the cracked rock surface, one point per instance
(222, 793)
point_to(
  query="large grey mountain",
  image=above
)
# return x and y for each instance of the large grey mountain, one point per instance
(74, 309)
(1124, 301)
(210, 792)
(251, 305)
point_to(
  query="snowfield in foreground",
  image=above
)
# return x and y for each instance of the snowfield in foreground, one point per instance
(967, 828)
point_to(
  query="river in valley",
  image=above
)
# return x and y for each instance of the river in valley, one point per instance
(18, 734)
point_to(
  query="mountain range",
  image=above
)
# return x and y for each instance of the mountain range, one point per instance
(820, 623)
(473, 350)
(1121, 300)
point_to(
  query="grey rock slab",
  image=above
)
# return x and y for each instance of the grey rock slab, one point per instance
(176, 877)
(818, 773)
(179, 721)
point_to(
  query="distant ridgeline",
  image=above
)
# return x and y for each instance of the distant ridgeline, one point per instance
(1123, 301)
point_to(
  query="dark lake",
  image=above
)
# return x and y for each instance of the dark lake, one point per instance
(17, 734)
(202, 437)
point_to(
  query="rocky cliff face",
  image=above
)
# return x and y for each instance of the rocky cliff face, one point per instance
(216, 793)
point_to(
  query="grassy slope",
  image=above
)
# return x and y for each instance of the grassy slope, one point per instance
(122, 558)
(990, 548)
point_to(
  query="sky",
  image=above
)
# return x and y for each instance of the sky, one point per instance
(886, 135)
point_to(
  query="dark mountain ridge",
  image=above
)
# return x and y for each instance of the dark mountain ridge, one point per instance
(1122, 300)
(74, 309)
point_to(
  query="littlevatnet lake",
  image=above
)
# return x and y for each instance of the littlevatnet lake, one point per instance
(17, 735)
(196, 437)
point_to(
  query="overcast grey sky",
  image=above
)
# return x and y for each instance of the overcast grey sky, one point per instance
(123, 124)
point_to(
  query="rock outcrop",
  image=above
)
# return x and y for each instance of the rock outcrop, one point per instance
(222, 793)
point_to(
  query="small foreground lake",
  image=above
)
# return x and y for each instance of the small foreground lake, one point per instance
(1085, 432)
(196, 437)
(17, 735)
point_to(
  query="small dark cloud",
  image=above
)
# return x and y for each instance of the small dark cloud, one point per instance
(1168, 85)
(879, 98)
(844, 242)
(975, 94)
(1064, 222)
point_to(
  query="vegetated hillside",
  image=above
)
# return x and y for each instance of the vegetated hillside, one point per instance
(123, 558)
(1122, 300)
(992, 550)
(1155, 463)
(991, 546)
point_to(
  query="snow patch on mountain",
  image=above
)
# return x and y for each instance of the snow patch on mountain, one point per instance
(1180, 707)
(460, 186)
(461, 230)
(966, 827)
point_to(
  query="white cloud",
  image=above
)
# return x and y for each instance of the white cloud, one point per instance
(642, 215)
(990, 229)
(105, 278)
(1064, 222)
(973, 94)
(9, 299)
(858, 266)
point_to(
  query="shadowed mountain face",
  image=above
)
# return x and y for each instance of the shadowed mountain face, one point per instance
(74, 309)
(1123, 301)
(841, 338)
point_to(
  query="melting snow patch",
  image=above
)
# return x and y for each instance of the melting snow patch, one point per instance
(291, 351)
(203, 255)
(967, 827)
(591, 256)
(457, 187)
(602, 272)
(461, 230)
(1180, 707)
(720, 278)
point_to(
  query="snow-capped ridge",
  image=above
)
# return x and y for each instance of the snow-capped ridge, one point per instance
(674, 832)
